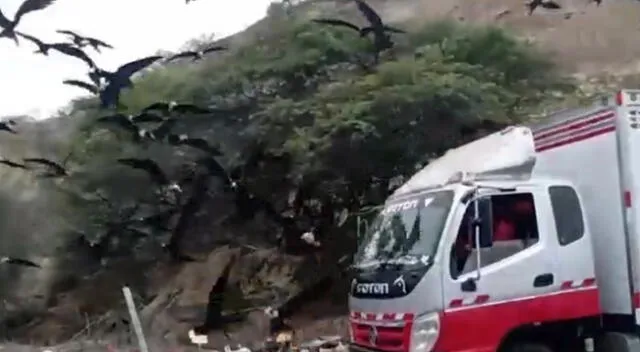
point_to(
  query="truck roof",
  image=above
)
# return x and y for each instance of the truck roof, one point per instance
(509, 152)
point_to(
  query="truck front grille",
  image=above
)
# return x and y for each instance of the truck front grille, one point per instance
(392, 331)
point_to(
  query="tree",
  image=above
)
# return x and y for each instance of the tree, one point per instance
(301, 92)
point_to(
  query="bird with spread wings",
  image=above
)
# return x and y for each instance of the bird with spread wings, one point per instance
(8, 27)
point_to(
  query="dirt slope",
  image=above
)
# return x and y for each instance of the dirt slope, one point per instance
(592, 41)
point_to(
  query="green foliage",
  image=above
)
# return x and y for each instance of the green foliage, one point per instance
(298, 90)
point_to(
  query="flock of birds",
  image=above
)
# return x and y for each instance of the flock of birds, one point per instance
(107, 85)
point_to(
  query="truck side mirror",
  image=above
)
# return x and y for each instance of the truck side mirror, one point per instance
(483, 222)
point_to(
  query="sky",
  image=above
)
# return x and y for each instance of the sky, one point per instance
(32, 84)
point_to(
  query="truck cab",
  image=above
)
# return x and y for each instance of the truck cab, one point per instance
(523, 240)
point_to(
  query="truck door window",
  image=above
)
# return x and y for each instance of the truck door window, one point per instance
(515, 227)
(567, 214)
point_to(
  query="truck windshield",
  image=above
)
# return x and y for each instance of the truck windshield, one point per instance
(405, 232)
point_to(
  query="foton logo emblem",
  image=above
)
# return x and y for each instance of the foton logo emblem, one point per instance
(376, 289)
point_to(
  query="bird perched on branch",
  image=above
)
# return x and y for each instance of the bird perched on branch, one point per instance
(197, 143)
(18, 261)
(128, 123)
(8, 27)
(153, 170)
(174, 107)
(214, 168)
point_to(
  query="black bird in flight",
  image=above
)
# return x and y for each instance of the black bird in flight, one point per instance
(197, 143)
(381, 38)
(13, 164)
(43, 48)
(54, 169)
(151, 167)
(63, 48)
(214, 318)
(545, 4)
(92, 88)
(598, 2)
(7, 126)
(196, 55)
(82, 41)
(69, 50)
(174, 107)
(8, 28)
(18, 261)
(120, 79)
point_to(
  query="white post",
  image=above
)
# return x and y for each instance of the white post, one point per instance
(135, 320)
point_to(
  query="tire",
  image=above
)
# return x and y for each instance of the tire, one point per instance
(529, 347)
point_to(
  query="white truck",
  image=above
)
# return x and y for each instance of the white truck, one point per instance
(524, 240)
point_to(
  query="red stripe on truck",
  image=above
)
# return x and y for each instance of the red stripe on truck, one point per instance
(567, 285)
(481, 328)
(573, 131)
(461, 302)
(381, 316)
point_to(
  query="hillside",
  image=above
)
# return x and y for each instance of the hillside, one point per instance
(593, 41)
(303, 126)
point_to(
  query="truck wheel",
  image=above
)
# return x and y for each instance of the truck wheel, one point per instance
(530, 347)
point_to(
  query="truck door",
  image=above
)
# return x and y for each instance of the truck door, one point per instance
(485, 300)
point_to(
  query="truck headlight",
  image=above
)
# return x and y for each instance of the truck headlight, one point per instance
(425, 332)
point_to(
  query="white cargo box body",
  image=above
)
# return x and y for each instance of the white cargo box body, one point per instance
(584, 147)
(597, 149)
